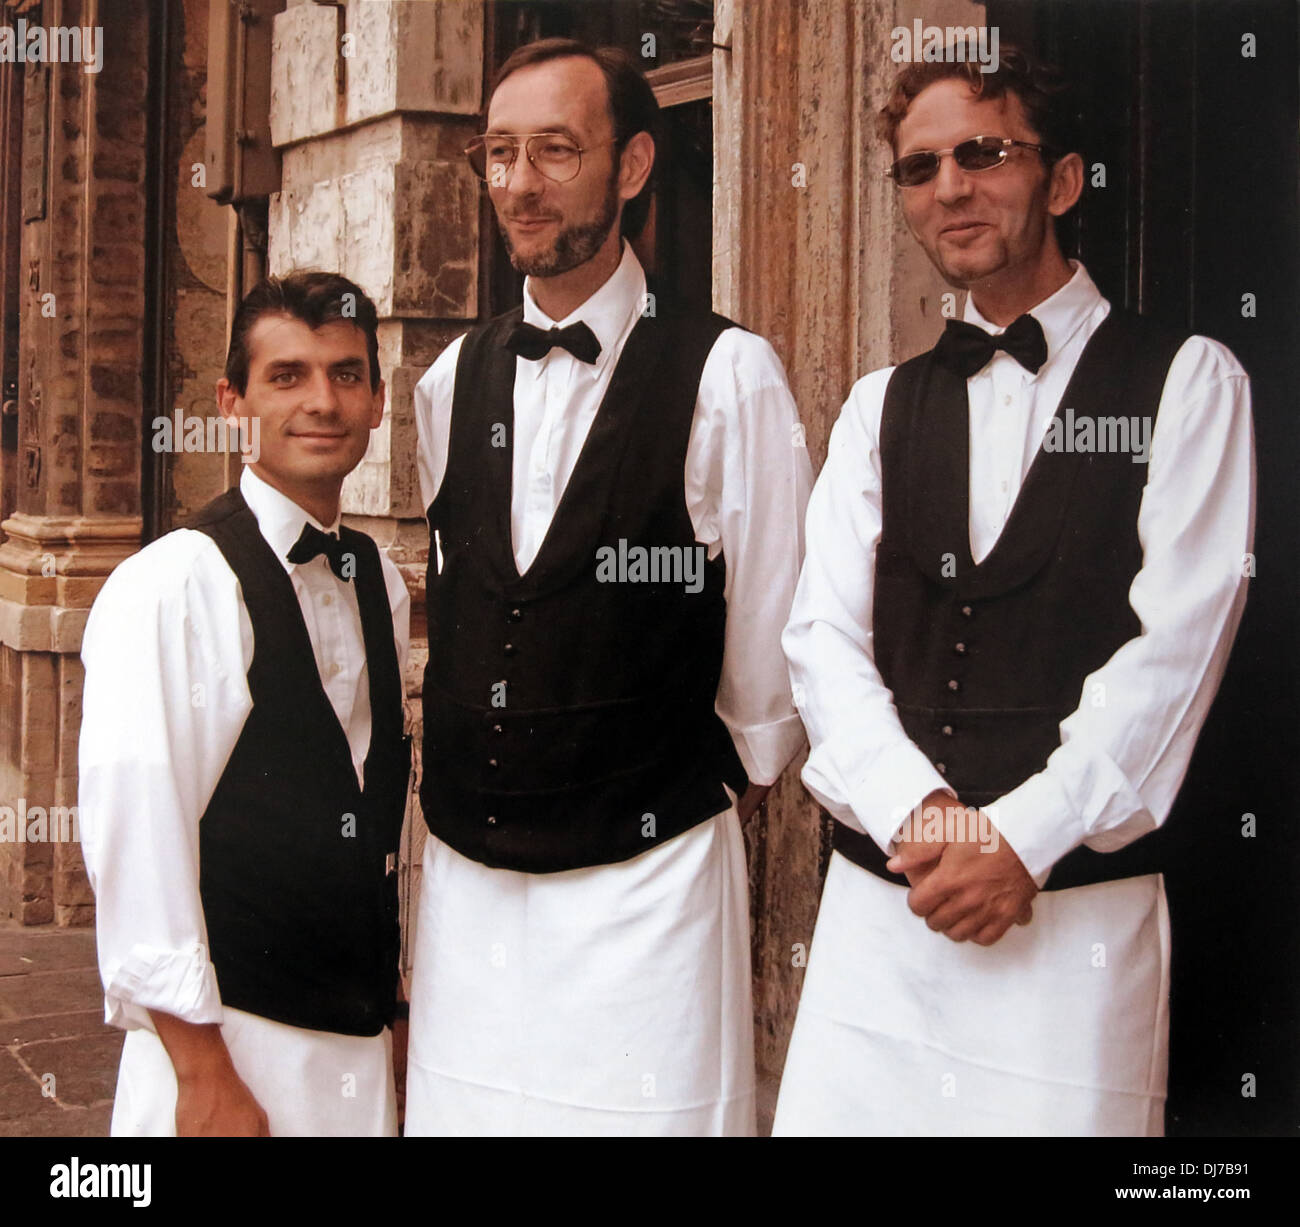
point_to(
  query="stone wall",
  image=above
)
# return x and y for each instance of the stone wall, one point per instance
(371, 105)
(82, 400)
(197, 255)
(810, 250)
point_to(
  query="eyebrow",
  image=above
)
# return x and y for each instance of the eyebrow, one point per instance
(553, 130)
(351, 364)
(296, 366)
(279, 366)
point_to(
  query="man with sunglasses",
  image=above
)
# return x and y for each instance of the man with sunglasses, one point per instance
(615, 483)
(1004, 644)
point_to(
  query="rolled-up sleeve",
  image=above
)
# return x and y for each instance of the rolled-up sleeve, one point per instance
(165, 651)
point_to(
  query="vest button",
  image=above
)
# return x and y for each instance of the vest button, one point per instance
(946, 730)
(941, 768)
(491, 820)
(497, 729)
(967, 611)
(959, 648)
(493, 763)
(509, 649)
(515, 615)
(954, 685)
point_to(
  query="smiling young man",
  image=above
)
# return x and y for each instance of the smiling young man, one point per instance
(243, 764)
(615, 488)
(1005, 645)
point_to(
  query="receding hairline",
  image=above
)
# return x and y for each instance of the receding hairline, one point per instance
(548, 125)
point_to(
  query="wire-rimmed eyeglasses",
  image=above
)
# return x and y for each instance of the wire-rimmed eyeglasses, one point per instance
(555, 156)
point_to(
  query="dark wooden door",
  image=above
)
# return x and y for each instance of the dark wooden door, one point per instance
(1194, 123)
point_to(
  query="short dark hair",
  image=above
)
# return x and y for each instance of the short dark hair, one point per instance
(633, 106)
(1046, 96)
(314, 297)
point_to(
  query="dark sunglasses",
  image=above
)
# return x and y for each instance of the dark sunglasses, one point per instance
(978, 153)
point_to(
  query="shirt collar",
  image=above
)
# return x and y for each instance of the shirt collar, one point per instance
(1061, 314)
(610, 313)
(279, 518)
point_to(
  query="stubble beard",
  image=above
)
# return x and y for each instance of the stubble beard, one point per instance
(573, 246)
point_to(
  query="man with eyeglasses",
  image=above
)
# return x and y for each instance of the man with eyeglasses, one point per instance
(1017, 603)
(615, 483)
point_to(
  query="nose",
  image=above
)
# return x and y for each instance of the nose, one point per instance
(523, 178)
(951, 183)
(321, 395)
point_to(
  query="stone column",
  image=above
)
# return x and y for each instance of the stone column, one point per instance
(371, 105)
(809, 250)
(79, 412)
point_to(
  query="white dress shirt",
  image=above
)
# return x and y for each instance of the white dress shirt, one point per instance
(167, 649)
(1125, 749)
(747, 480)
(616, 999)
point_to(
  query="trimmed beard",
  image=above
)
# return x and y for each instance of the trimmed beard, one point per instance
(574, 245)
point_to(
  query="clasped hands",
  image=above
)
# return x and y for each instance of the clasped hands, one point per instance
(967, 888)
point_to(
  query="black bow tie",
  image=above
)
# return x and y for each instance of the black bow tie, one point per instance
(530, 342)
(313, 542)
(967, 348)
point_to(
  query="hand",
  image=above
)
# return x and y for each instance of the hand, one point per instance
(915, 859)
(921, 844)
(977, 891)
(751, 799)
(211, 1098)
(218, 1105)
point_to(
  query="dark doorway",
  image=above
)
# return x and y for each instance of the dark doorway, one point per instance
(1191, 107)
(672, 41)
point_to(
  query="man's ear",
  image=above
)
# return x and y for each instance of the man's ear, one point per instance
(377, 406)
(635, 165)
(228, 400)
(1066, 185)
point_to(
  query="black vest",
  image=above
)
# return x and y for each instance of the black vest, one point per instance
(568, 721)
(985, 661)
(301, 913)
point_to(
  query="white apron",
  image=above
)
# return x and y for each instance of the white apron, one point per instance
(1061, 1028)
(612, 1000)
(309, 1083)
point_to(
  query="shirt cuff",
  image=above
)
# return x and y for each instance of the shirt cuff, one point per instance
(766, 749)
(890, 792)
(182, 983)
(1036, 819)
